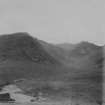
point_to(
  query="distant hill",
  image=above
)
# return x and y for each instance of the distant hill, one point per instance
(61, 68)
(85, 48)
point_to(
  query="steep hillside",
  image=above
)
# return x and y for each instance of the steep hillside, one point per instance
(75, 55)
(55, 51)
(85, 65)
(86, 59)
(55, 70)
(21, 46)
(84, 48)
(22, 56)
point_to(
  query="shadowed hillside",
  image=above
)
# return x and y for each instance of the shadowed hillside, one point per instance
(22, 56)
(55, 70)
(24, 47)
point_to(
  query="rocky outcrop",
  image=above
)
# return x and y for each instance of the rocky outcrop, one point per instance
(5, 97)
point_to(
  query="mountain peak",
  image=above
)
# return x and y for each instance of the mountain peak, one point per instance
(17, 34)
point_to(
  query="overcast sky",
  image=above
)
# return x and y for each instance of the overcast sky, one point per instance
(55, 21)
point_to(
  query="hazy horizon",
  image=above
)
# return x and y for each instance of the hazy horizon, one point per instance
(57, 43)
(55, 21)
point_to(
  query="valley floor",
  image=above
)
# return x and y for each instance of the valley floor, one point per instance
(24, 99)
(50, 103)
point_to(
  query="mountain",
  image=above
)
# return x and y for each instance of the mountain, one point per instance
(22, 56)
(74, 55)
(85, 58)
(63, 70)
(24, 47)
(85, 48)
(55, 51)
(85, 64)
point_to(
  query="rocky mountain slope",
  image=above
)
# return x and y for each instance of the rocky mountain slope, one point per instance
(24, 47)
(55, 70)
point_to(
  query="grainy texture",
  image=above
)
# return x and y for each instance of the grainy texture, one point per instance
(57, 72)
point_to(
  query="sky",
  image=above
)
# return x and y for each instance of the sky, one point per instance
(55, 21)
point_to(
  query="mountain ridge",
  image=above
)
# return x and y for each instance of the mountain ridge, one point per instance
(22, 45)
(51, 67)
